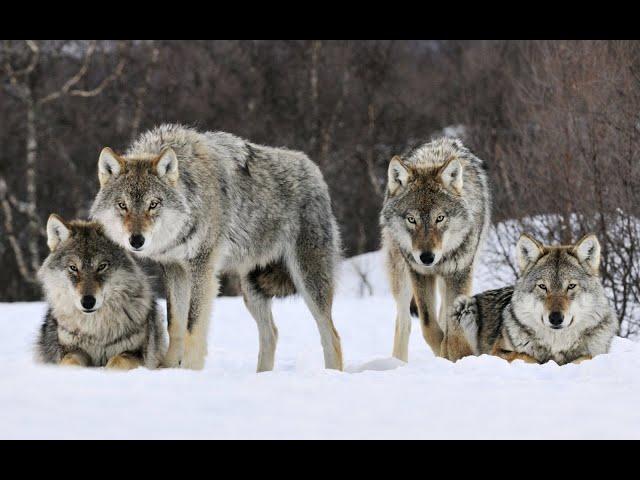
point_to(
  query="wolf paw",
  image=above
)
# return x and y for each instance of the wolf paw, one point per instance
(174, 355)
(71, 360)
(172, 360)
(465, 312)
(122, 362)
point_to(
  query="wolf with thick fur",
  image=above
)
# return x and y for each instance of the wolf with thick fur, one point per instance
(434, 218)
(206, 203)
(557, 310)
(101, 309)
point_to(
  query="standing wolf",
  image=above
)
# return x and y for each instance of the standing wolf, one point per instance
(101, 309)
(557, 309)
(434, 217)
(206, 203)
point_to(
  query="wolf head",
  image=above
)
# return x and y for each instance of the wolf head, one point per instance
(425, 210)
(559, 286)
(138, 202)
(84, 267)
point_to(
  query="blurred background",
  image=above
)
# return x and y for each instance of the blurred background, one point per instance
(557, 122)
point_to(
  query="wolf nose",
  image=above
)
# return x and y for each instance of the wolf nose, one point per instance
(556, 318)
(136, 240)
(88, 302)
(427, 258)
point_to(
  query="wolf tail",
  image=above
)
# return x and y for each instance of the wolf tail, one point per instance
(273, 280)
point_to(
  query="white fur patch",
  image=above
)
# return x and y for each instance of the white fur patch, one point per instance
(57, 232)
(108, 165)
(398, 174)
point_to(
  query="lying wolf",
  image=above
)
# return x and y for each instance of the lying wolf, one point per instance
(206, 203)
(101, 309)
(557, 310)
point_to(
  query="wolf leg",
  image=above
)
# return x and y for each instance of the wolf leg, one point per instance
(312, 273)
(424, 292)
(509, 355)
(75, 359)
(582, 359)
(259, 306)
(178, 287)
(204, 288)
(402, 294)
(455, 344)
(124, 361)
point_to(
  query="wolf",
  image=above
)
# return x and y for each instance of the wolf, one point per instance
(557, 310)
(434, 218)
(206, 203)
(101, 310)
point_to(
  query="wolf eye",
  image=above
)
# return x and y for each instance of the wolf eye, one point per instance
(571, 286)
(73, 268)
(411, 219)
(439, 218)
(122, 205)
(103, 266)
(153, 204)
(542, 286)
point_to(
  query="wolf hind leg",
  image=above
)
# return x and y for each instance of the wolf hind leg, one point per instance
(204, 288)
(463, 318)
(259, 305)
(312, 271)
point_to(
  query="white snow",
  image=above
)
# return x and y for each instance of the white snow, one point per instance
(376, 397)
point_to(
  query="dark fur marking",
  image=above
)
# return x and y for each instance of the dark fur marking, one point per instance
(272, 280)
(413, 308)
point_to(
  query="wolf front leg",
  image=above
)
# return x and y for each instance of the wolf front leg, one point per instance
(424, 292)
(502, 349)
(454, 345)
(402, 294)
(582, 359)
(204, 288)
(178, 288)
(75, 359)
(124, 361)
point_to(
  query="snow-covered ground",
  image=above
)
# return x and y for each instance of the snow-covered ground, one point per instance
(377, 396)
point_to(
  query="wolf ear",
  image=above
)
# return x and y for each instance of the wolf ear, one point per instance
(528, 250)
(451, 174)
(588, 251)
(166, 165)
(57, 231)
(398, 174)
(109, 165)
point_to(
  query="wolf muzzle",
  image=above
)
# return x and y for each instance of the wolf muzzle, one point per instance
(88, 302)
(136, 241)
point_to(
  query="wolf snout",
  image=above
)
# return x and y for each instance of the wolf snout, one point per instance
(136, 241)
(556, 319)
(88, 302)
(427, 258)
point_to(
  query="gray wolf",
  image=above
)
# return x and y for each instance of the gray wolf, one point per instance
(434, 218)
(203, 204)
(101, 309)
(557, 310)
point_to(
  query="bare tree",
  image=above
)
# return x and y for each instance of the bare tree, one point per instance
(23, 80)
